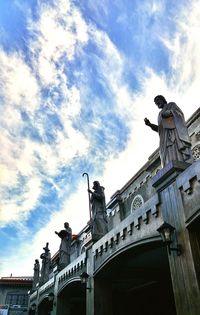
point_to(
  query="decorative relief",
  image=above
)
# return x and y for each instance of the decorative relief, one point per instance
(196, 152)
(137, 202)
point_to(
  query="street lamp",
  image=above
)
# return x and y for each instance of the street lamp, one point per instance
(32, 309)
(167, 232)
(84, 279)
(50, 297)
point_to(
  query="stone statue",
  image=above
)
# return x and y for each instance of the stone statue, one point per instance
(36, 274)
(46, 264)
(174, 139)
(65, 245)
(99, 217)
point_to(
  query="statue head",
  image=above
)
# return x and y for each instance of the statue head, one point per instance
(160, 101)
(46, 249)
(96, 185)
(66, 224)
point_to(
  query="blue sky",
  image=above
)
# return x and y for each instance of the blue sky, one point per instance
(77, 79)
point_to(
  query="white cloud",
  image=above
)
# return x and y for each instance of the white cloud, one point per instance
(111, 67)
(185, 63)
(17, 207)
(18, 84)
(72, 105)
(59, 33)
(157, 7)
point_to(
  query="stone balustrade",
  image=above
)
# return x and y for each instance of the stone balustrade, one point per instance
(74, 269)
(46, 288)
(139, 226)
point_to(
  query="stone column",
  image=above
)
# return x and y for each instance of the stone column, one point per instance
(184, 280)
(98, 292)
(55, 301)
(90, 284)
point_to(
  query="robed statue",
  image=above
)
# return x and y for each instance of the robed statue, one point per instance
(99, 217)
(65, 245)
(174, 139)
(36, 274)
(46, 264)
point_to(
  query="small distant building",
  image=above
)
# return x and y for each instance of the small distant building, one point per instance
(14, 295)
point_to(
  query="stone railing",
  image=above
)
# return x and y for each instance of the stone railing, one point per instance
(74, 269)
(46, 288)
(139, 226)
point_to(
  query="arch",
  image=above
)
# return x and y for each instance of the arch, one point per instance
(138, 245)
(44, 306)
(68, 283)
(71, 298)
(139, 273)
(43, 298)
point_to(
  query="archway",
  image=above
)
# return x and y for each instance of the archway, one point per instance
(44, 307)
(72, 299)
(137, 279)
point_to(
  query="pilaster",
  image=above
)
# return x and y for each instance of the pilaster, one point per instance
(184, 280)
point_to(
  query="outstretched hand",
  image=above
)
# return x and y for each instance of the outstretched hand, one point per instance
(147, 122)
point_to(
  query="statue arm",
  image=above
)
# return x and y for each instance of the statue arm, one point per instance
(95, 194)
(60, 234)
(152, 126)
(98, 195)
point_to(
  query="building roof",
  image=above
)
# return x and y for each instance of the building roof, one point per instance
(16, 280)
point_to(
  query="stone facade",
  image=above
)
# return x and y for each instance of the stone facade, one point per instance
(131, 264)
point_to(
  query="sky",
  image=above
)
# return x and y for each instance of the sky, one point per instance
(77, 79)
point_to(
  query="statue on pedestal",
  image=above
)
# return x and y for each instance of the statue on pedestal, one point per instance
(46, 264)
(174, 139)
(36, 274)
(99, 217)
(65, 245)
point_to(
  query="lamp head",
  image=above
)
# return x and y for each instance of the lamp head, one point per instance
(84, 277)
(50, 296)
(166, 231)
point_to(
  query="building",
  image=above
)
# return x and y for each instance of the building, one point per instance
(149, 261)
(14, 295)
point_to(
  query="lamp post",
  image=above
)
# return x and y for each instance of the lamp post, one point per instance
(33, 307)
(167, 232)
(50, 299)
(32, 310)
(84, 279)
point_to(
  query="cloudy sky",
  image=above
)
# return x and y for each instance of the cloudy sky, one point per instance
(77, 79)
